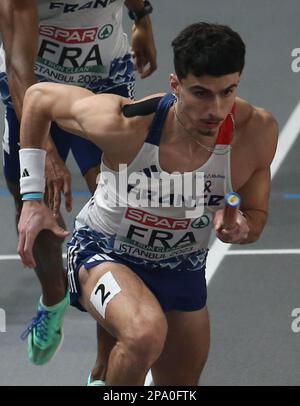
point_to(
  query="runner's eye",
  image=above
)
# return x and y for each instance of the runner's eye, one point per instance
(201, 94)
(227, 92)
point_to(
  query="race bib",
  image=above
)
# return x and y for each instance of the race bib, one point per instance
(145, 235)
(72, 55)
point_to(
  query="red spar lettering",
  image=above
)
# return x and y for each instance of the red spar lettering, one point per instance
(70, 36)
(152, 220)
(134, 214)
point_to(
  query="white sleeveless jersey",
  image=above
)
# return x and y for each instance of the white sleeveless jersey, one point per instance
(169, 235)
(81, 43)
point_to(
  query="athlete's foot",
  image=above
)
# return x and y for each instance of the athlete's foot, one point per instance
(94, 382)
(97, 375)
(45, 333)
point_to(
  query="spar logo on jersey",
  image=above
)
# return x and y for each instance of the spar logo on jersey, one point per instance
(71, 7)
(105, 31)
(151, 220)
(165, 223)
(70, 35)
(201, 222)
(76, 35)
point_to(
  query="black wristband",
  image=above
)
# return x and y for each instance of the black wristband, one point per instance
(137, 15)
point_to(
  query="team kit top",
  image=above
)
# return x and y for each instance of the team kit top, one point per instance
(173, 237)
(81, 43)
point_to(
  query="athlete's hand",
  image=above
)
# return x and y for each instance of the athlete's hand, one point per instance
(35, 217)
(58, 180)
(143, 47)
(236, 234)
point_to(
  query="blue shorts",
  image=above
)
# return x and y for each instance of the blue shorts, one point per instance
(86, 154)
(175, 289)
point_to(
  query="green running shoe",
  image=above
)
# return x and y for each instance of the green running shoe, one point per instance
(90, 382)
(45, 333)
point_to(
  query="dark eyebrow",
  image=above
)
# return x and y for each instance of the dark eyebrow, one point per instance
(198, 87)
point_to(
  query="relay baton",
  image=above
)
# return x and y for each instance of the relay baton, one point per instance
(231, 209)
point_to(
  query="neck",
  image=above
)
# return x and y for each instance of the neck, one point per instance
(199, 137)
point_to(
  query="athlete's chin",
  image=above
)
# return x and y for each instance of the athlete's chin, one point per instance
(207, 132)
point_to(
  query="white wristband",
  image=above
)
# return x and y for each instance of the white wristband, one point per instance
(32, 170)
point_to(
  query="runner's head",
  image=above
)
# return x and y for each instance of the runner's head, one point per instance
(208, 61)
(204, 49)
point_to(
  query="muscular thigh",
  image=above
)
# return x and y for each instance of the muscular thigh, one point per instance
(186, 349)
(133, 304)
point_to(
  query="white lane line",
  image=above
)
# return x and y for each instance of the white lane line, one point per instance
(16, 257)
(286, 140)
(235, 252)
(9, 257)
(265, 252)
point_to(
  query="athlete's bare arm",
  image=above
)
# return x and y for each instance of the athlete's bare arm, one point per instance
(19, 30)
(70, 107)
(98, 118)
(142, 41)
(255, 192)
(251, 173)
(20, 33)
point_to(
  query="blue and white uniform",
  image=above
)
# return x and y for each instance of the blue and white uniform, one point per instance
(81, 43)
(165, 246)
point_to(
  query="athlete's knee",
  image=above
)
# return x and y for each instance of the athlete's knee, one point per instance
(146, 335)
(140, 333)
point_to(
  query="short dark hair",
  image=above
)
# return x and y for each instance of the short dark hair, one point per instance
(208, 49)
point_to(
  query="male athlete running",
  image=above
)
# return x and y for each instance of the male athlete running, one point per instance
(139, 270)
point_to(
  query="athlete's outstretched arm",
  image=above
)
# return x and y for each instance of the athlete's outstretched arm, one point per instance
(77, 110)
(96, 117)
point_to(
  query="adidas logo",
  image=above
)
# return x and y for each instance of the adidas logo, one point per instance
(25, 173)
